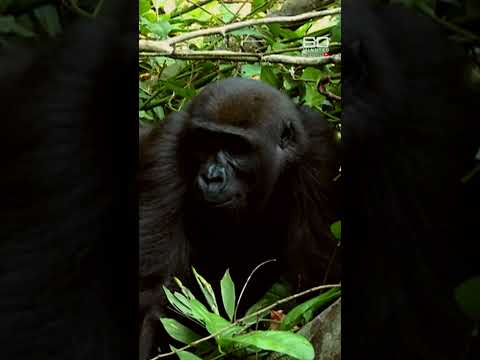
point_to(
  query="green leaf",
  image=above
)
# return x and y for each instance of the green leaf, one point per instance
(8, 25)
(179, 89)
(185, 355)
(159, 112)
(185, 291)
(171, 71)
(312, 97)
(207, 291)
(228, 294)
(308, 309)
(283, 342)
(267, 74)
(337, 31)
(47, 16)
(178, 331)
(199, 311)
(148, 18)
(336, 229)
(216, 323)
(251, 70)
(143, 6)
(158, 27)
(467, 295)
(178, 302)
(311, 74)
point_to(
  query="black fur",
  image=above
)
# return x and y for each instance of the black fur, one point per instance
(286, 218)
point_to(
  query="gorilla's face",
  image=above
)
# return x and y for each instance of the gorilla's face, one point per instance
(239, 137)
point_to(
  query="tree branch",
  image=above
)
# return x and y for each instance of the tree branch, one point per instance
(166, 45)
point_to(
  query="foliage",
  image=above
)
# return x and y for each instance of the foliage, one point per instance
(166, 84)
(243, 337)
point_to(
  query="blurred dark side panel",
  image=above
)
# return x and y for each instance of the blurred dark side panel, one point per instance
(410, 131)
(68, 213)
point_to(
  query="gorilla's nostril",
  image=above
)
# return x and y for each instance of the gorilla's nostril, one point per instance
(215, 174)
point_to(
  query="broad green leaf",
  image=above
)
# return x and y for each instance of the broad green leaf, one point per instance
(228, 294)
(311, 74)
(200, 312)
(283, 342)
(179, 331)
(307, 309)
(215, 323)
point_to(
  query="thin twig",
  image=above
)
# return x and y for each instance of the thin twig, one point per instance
(246, 283)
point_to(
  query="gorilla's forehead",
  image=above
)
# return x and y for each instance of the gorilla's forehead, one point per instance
(242, 103)
(246, 110)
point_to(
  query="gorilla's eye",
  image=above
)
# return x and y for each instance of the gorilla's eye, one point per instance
(239, 147)
(287, 136)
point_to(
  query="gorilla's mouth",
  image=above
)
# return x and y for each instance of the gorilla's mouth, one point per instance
(234, 201)
(221, 204)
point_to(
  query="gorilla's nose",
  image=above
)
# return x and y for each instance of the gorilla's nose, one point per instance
(215, 175)
(212, 181)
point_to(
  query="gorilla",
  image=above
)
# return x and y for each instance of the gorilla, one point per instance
(242, 175)
(409, 135)
(68, 280)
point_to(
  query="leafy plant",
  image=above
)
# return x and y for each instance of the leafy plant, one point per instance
(240, 337)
